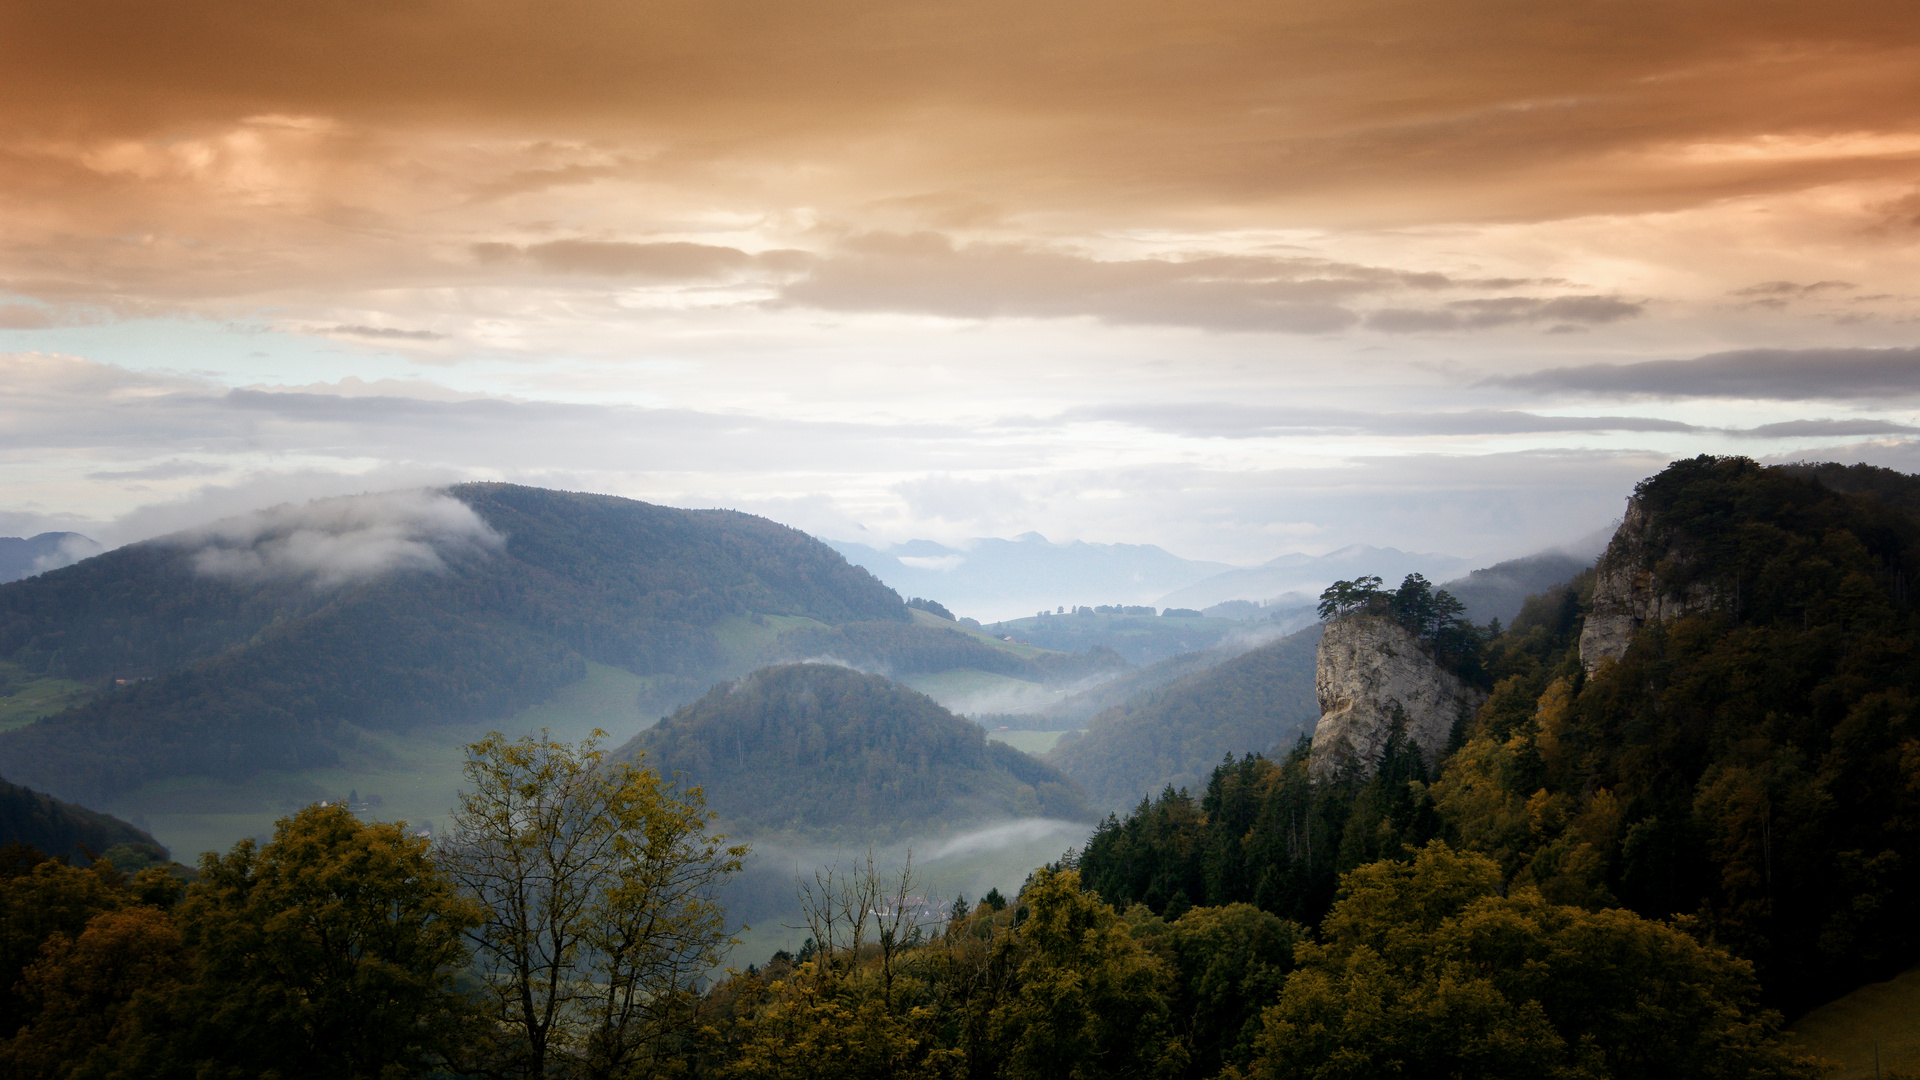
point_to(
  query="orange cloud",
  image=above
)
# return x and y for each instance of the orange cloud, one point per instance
(155, 153)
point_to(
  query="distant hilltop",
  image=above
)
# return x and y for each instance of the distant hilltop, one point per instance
(25, 557)
(992, 579)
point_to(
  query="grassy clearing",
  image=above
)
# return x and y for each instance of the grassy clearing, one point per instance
(415, 776)
(1030, 742)
(26, 697)
(1846, 1031)
(744, 640)
(608, 699)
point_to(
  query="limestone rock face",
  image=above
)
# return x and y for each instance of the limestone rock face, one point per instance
(1367, 665)
(1624, 596)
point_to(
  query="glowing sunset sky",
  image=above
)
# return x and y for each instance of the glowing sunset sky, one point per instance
(1233, 278)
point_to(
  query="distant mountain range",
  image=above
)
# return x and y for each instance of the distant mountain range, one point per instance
(37, 554)
(1296, 573)
(274, 641)
(1497, 591)
(992, 579)
(1260, 701)
(1001, 580)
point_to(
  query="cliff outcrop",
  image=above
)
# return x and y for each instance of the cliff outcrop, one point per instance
(1370, 670)
(1626, 596)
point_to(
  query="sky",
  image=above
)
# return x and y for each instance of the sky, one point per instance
(1234, 278)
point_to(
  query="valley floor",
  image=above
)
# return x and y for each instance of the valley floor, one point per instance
(414, 777)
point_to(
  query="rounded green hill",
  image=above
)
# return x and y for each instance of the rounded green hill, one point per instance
(824, 751)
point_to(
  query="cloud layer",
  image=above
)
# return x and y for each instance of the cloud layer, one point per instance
(1779, 374)
(1227, 276)
(335, 541)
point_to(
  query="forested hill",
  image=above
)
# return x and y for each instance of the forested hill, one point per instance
(1177, 733)
(814, 750)
(264, 642)
(64, 830)
(1751, 764)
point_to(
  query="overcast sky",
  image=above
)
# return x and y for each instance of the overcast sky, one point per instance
(1235, 278)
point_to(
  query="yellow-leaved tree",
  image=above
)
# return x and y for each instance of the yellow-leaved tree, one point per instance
(596, 881)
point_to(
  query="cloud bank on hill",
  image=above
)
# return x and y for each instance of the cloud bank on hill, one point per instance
(335, 541)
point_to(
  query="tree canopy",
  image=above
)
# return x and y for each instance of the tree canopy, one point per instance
(1435, 618)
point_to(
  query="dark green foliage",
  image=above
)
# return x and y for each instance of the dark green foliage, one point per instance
(330, 952)
(1176, 733)
(1430, 968)
(1756, 764)
(64, 829)
(1435, 618)
(1229, 963)
(819, 750)
(1263, 834)
(931, 607)
(279, 674)
(1362, 594)
(1425, 968)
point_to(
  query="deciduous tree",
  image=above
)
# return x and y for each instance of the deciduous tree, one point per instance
(330, 952)
(1424, 969)
(596, 885)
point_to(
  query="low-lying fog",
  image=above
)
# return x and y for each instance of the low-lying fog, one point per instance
(764, 896)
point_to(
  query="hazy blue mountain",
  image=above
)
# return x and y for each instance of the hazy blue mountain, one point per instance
(1261, 701)
(37, 554)
(271, 640)
(1297, 573)
(1077, 708)
(1497, 591)
(990, 579)
(814, 750)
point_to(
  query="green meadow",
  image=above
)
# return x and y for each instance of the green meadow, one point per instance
(26, 697)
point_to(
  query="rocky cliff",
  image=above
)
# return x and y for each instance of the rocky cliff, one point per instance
(1369, 666)
(1625, 596)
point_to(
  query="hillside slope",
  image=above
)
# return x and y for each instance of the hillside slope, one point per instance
(1747, 753)
(266, 642)
(816, 750)
(1497, 591)
(65, 830)
(1177, 733)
